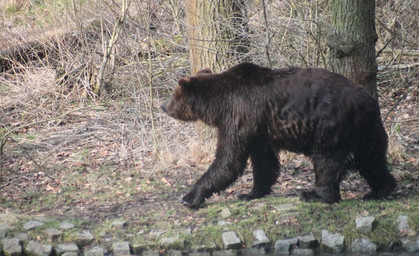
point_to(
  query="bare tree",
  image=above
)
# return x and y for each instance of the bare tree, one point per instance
(351, 40)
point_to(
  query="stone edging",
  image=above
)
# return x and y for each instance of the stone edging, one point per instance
(83, 242)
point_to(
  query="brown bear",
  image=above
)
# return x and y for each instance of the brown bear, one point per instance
(258, 111)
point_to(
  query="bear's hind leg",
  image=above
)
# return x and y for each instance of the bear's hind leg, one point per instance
(370, 160)
(375, 172)
(266, 169)
(329, 172)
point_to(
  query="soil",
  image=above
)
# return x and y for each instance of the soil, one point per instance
(99, 160)
(90, 164)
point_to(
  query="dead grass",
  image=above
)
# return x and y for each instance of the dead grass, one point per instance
(68, 148)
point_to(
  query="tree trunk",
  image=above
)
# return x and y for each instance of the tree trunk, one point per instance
(217, 32)
(352, 42)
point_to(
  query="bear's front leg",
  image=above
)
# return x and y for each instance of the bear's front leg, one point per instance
(202, 188)
(228, 165)
(192, 200)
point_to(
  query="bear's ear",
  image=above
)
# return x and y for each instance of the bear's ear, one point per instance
(204, 71)
(183, 82)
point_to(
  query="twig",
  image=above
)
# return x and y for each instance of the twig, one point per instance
(385, 46)
(33, 160)
(112, 41)
(300, 54)
(395, 105)
(78, 21)
(404, 121)
(267, 37)
(403, 52)
(150, 70)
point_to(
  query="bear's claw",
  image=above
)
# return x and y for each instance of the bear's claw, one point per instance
(188, 201)
(315, 196)
(251, 196)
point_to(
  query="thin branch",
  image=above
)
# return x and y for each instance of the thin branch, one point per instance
(112, 41)
(385, 46)
(267, 37)
(150, 70)
(32, 159)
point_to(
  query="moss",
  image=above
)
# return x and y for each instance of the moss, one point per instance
(207, 235)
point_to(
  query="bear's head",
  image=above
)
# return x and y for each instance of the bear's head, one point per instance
(179, 105)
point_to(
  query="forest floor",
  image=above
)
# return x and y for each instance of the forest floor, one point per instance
(100, 160)
(89, 165)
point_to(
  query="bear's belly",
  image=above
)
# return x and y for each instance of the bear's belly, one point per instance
(303, 144)
(296, 138)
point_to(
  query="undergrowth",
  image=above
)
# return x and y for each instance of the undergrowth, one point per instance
(69, 151)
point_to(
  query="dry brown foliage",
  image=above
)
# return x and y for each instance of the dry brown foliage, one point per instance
(55, 131)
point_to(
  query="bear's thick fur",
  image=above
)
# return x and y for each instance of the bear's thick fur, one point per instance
(259, 111)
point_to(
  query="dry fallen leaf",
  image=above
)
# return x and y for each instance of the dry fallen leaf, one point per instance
(166, 182)
(52, 189)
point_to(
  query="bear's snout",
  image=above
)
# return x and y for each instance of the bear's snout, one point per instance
(167, 108)
(163, 107)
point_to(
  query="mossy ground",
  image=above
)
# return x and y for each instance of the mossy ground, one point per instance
(153, 212)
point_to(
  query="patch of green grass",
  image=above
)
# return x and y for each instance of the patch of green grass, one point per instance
(409, 166)
(31, 137)
(36, 232)
(207, 235)
(4, 89)
(6, 203)
(68, 236)
(106, 228)
(10, 10)
(99, 108)
(29, 200)
(397, 127)
(309, 218)
(341, 217)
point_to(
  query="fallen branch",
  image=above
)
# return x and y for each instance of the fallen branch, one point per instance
(398, 66)
(403, 52)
